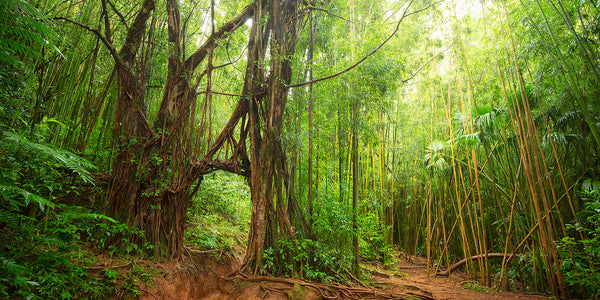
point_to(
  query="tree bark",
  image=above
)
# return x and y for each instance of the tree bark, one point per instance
(155, 166)
(269, 221)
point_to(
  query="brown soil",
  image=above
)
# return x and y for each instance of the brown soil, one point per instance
(439, 287)
(204, 277)
(197, 276)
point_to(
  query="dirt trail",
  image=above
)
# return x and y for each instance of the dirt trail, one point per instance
(410, 281)
(439, 287)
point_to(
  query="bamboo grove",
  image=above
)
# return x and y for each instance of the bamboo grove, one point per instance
(451, 130)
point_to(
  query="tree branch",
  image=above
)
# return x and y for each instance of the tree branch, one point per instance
(135, 32)
(329, 13)
(475, 257)
(174, 30)
(197, 57)
(219, 93)
(106, 21)
(111, 49)
(421, 68)
(118, 14)
(184, 28)
(404, 15)
(204, 167)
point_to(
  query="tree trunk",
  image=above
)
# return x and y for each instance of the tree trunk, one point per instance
(155, 166)
(269, 221)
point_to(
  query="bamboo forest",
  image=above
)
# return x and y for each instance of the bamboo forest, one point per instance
(286, 149)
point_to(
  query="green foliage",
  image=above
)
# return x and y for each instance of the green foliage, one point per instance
(131, 282)
(224, 194)
(411, 122)
(308, 259)
(373, 242)
(36, 173)
(219, 213)
(474, 286)
(25, 35)
(325, 259)
(49, 275)
(434, 156)
(328, 258)
(61, 158)
(581, 257)
(23, 30)
(44, 244)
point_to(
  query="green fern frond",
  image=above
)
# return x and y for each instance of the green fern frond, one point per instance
(8, 217)
(67, 159)
(77, 212)
(28, 197)
(15, 47)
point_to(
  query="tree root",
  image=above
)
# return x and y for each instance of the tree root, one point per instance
(376, 272)
(475, 257)
(105, 266)
(326, 291)
(356, 279)
(149, 293)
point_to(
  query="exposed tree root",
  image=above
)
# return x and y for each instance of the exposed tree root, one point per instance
(287, 286)
(375, 272)
(476, 257)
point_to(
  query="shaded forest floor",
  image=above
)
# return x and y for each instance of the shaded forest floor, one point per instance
(203, 276)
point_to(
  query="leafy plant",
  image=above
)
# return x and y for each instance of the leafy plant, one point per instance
(23, 28)
(25, 36)
(44, 243)
(474, 286)
(219, 214)
(581, 257)
(306, 258)
(62, 158)
(134, 279)
(373, 243)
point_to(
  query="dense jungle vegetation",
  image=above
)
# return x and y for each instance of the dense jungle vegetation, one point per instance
(314, 134)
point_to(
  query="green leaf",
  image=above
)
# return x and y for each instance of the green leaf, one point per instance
(28, 196)
(67, 159)
(590, 185)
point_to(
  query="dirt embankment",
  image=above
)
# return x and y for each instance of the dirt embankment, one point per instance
(196, 277)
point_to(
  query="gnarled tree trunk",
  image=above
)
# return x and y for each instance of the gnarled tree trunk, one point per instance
(156, 164)
(267, 95)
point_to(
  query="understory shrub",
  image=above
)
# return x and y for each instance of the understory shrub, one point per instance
(327, 256)
(47, 247)
(581, 257)
(219, 214)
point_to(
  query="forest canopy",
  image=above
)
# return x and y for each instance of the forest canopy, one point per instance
(321, 134)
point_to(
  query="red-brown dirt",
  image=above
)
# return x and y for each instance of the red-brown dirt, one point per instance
(203, 277)
(439, 287)
(197, 276)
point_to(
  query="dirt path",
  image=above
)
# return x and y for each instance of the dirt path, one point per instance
(409, 280)
(438, 287)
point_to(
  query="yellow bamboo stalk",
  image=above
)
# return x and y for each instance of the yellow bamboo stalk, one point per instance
(527, 126)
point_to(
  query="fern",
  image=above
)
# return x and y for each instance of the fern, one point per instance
(28, 197)
(67, 159)
(8, 217)
(37, 245)
(77, 212)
